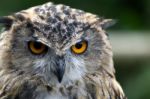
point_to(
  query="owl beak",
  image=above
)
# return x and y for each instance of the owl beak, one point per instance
(60, 69)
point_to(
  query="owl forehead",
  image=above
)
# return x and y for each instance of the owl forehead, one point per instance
(59, 23)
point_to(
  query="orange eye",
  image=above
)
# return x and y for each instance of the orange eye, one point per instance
(80, 47)
(37, 47)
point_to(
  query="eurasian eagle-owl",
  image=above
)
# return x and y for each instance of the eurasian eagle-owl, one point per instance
(56, 52)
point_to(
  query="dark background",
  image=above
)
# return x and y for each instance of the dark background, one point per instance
(132, 70)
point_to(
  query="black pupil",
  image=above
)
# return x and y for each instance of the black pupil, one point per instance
(37, 45)
(78, 45)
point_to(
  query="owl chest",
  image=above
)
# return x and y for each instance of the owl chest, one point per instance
(71, 91)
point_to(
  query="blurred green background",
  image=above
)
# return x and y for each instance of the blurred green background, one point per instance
(130, 36)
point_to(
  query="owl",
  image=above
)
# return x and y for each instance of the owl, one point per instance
(56, 52)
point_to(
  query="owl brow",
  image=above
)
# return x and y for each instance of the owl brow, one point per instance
(85, 28)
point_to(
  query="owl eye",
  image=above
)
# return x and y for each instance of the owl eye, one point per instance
(80, 47)
(37, 47)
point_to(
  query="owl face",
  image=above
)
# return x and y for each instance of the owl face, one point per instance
(57, 43)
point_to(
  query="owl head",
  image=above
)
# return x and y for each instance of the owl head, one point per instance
(57, 43)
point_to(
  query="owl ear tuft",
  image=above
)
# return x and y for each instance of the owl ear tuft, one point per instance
(6, 21)
(107, 23)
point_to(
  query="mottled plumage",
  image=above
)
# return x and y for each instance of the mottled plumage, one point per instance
(58, 73)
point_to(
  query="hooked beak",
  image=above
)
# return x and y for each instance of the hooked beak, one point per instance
(60, 69)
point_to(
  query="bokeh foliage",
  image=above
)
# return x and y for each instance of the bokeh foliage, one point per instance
(130, 15)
